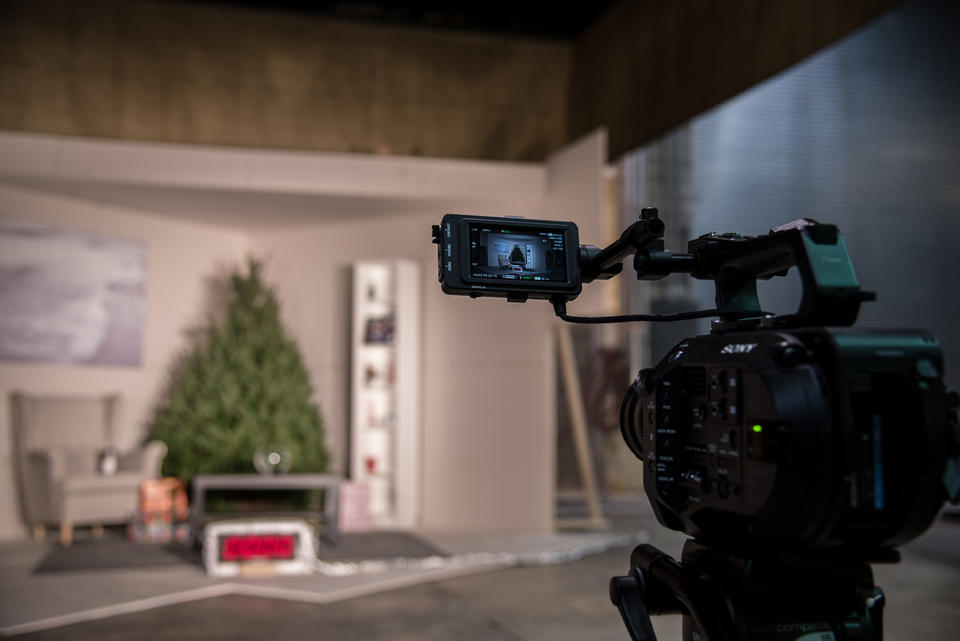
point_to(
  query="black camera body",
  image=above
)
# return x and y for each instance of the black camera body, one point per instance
(797, 439)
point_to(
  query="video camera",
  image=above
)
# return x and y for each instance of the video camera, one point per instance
(794, 449)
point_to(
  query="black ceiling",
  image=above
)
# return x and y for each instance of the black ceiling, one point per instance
(549, 20)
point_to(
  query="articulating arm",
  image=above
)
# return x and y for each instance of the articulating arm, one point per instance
(606, 263)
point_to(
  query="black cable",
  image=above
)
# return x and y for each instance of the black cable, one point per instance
(560, 308)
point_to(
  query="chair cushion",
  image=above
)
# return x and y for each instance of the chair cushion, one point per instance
(78, 460)
(99, 499)
(94, 483)
(131, 461)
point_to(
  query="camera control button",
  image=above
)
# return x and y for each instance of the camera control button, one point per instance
(719, 409)
(700, 412)
(718, 381)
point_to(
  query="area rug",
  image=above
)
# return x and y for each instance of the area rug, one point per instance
(114, 554)
(118, 554)
(362, 546)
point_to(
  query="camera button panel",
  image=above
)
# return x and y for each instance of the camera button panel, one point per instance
(696, 414)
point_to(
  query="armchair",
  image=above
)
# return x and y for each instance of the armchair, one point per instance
(56, 443)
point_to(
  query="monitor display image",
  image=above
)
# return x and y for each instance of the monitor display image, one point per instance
(517, 252)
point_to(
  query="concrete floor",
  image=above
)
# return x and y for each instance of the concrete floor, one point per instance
(31, 601)
(567, 601)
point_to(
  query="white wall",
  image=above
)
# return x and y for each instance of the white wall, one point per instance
(478, 356)
(576, 191)
(180, 257)
(481, 357)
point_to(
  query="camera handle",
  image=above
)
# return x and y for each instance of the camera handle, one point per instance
(831, 292)
(726, 597)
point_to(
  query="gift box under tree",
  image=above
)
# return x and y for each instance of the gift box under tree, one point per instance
(163, 514)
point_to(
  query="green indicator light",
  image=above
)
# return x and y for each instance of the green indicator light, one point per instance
(527, 277)
(758, 428)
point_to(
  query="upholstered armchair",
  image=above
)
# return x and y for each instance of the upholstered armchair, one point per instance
(57, 442)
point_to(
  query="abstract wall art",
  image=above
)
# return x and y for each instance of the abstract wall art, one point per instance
(70, 296)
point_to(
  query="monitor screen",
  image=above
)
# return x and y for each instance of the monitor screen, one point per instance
(513, 251)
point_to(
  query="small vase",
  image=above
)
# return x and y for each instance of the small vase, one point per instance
(107, 461)
(272, 460)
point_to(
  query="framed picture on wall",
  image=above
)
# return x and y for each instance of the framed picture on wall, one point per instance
(70, 296)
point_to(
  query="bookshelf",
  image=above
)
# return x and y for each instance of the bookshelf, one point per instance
(385, 389)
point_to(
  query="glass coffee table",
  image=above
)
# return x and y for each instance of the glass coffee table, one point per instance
(328, 515)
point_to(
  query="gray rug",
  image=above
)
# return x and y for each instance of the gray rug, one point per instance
(363, 546)
(118, 554)
(114, 554)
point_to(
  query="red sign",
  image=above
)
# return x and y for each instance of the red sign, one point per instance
(249, 547)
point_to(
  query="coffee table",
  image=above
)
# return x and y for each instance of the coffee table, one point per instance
(329, 483)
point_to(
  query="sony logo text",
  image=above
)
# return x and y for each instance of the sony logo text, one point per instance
(738, 348)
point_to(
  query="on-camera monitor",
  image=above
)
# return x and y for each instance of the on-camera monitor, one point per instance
(517, 252)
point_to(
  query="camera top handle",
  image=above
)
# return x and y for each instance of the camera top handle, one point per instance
(831, 292)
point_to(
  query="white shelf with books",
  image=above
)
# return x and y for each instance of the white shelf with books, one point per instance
(385, 389)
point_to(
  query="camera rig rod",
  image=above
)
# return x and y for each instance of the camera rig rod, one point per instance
(607, 262)
(644, 239)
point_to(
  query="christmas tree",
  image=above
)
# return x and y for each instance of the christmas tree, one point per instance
(243, 388)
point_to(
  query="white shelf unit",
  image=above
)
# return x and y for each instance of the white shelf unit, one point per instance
(385, 389)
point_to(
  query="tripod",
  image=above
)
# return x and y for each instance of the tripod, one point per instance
(760, 597)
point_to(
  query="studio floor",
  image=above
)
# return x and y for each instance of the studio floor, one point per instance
(483, 601)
